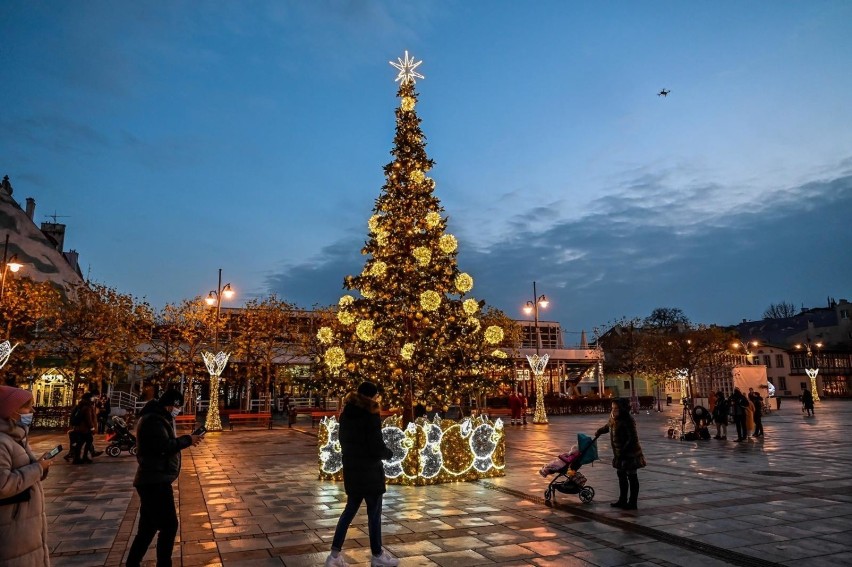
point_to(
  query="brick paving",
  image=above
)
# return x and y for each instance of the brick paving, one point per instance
(251, 497)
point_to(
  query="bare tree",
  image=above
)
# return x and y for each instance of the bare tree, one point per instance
(667, 318)
(781, 310)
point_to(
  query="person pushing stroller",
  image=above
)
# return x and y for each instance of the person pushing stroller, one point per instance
(566, 466)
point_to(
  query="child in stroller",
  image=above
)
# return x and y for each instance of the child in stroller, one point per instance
(566, 466)
(119, 437)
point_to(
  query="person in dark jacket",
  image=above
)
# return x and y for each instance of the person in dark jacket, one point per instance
(721, 411)
(83, 442)
(808, 402)
(757, 400)
(159, 460)
(739, 405)
(627, 456)
(363, 473)
(104, 409)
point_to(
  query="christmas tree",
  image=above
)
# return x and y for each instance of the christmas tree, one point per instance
(411, 324)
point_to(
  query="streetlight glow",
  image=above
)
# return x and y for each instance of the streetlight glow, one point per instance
(227, 291)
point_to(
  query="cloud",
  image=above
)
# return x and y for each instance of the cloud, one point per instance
(646, 248)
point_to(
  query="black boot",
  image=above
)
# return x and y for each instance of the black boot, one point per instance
(622, 490)
(633, 479)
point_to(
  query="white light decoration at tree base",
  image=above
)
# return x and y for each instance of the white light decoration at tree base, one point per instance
(6, 349)
(426, 452)
(538, 363)
(215, 365)
(812, 374)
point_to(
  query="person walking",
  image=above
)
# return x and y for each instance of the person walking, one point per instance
(23, 523)
(721, 411)
(757, 400)
(158, 456)
(104, 408)
(627, 456)
(739, 403)
(84, 428)
(515, 406)
(363, 449)
(808, 402)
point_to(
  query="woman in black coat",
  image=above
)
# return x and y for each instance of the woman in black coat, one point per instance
(627, 457)
(720, 415)
(363, 473)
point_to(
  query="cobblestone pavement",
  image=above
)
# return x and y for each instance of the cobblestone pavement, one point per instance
(251, 497)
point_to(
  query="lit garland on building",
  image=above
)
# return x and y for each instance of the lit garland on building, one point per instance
(426, 452)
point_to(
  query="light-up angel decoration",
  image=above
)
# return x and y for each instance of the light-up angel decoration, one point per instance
(215, 364)
(538, 363)
(6, 349)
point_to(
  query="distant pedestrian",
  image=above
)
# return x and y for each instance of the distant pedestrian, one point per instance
(757, 401)
(159, 466)
(808, 402)
(84, 422)
(363, 449)
(104, 408)
(23, 523)
(721, 411)
(627, 456)
(739, 404)
(524, 407)
(515, 406)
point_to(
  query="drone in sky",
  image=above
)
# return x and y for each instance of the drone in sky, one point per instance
(663, 92)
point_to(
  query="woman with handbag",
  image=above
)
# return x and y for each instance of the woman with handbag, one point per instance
(23, 523)
(627, 457)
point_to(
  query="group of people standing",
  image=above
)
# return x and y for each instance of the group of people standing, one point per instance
(744, 410)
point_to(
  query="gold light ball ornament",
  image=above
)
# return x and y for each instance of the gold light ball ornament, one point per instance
(493, 334)
(407, 351)
(407, 103)
(417, 176)
(351, 367)
(430, 300)
(378, 268)
(464, 283)
(345, 317)
(373, 223)
(423, 255)
(325, 335)
(433, 219)
(346, 300)
(367, 294)
(470, 306)
(382, 238)
(364, 330)
(448, 244)
(334, 358)
(497, 353)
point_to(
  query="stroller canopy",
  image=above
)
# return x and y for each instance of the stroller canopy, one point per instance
(588, 449)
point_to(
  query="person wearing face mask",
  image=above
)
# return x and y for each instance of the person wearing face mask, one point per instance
(23, 524)
(159, 466)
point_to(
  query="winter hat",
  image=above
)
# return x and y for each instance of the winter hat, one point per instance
(11, 400)
(172, 398)
(368, 389)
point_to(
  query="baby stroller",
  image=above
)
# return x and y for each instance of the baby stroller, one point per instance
(119, 437)
(568, 479)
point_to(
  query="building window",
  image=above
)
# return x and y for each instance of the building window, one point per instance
(782, 382)
(844, 313)
(767, 361)
(627, 384)
(779, 361)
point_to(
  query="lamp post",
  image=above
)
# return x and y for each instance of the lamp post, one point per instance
(216, 363)
(10, 264)
(538, 363)
(812, 370)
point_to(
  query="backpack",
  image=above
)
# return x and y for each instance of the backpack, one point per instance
(76, 416)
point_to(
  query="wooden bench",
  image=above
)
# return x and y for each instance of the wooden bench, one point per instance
(262, 418)
(497, 412)
(185, 420)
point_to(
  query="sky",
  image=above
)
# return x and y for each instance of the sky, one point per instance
(178, 138)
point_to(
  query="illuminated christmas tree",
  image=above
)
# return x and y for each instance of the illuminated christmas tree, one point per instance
(410, 323)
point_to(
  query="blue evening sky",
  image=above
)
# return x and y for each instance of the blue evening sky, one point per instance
(181, 137)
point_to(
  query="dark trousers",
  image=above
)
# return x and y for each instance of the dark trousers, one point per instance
(83, 446)
(758, 425)
(156, 514)
(740, 422)
(628, 479)
(374, 521)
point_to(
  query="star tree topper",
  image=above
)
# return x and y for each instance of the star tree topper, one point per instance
(407, 68)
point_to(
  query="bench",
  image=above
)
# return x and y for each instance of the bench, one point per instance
(261, 418)
(497, 412)
(185, 420)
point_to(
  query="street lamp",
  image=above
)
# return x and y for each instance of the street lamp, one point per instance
(215, 363)
(538, 363)
(10, 264)
(737, 345)
(813, 369)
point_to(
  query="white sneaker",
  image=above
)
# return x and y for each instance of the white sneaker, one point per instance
(338, 561)
(384, 560)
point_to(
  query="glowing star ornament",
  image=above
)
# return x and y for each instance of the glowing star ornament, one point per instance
(215, 364)
(406, 69)
(538, 363)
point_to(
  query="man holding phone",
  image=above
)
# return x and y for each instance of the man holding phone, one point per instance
(159, 466)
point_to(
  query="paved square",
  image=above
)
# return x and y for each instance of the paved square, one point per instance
(251, 497)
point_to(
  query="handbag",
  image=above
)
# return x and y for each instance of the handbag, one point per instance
(17, 498)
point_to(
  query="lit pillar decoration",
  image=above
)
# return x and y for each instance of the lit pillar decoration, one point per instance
(6, 349)
(812, 374)
(537, 363)
(215, 365)
(426, 452)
